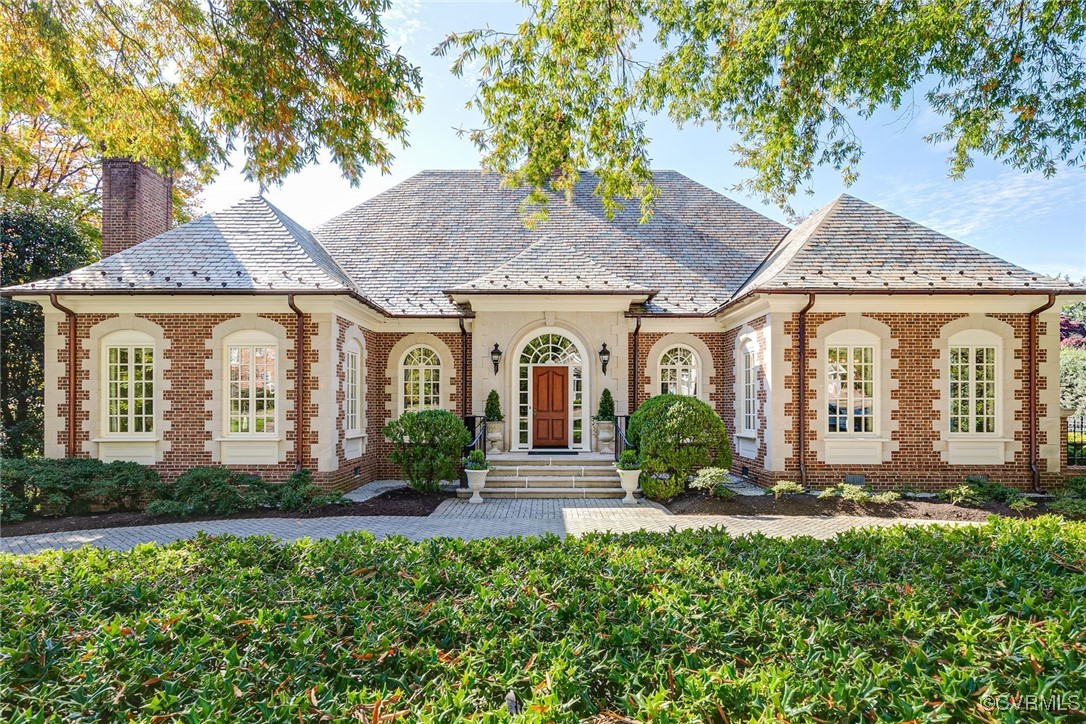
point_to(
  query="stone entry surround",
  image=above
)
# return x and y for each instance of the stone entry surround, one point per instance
(458, 519)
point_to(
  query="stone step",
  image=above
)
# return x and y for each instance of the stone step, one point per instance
(519, 459)
(546, 493)
(551, 470)
(572, 481)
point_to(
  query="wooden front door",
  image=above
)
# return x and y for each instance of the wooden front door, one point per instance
(550, 403)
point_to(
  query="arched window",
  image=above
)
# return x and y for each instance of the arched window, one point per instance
(420, 387)
(748, 423)
(679, 371)
(353, 402)
(974, 382)
(129, 395)
(252, 394)
(851, 382)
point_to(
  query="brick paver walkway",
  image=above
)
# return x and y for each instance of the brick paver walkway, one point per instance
(459, 519)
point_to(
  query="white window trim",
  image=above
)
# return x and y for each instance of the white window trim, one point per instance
(359, 398)
(748, 390)
(400, 381)
(974, 338)
(252, 337)
(696, 368)
(128, 338)
(852, 338)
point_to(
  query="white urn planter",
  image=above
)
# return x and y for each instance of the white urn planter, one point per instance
(605, 436)
(476, 481)
(494, 436)
(628, 479)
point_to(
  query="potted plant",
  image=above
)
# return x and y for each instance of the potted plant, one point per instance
(476, 467)
(494, 417)
(605, 423)
(629, 472)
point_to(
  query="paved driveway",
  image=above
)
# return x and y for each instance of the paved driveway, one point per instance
(457, 518)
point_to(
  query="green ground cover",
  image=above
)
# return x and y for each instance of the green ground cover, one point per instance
(898, 624)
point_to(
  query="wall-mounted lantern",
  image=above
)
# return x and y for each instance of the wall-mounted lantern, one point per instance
(605, 357)
(496, 357)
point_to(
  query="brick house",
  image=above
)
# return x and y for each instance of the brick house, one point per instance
(857, 343)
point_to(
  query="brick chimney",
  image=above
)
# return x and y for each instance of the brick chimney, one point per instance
(136, 204)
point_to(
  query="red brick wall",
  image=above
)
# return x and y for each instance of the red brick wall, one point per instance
(915, 464)
(136, 204)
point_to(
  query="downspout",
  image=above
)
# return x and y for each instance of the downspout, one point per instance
(636, 361)
(463, 370)
(70, 450)
(802, 375)
(1034, 469)
(299, 376)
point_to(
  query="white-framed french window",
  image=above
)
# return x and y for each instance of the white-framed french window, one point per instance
(352, 389)
(128, 386)
(420, 379)
(852, 384)
(974, 379)
(680, 370)
(252, 385)
(748, 391)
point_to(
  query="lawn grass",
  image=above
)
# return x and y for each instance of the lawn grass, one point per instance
(895, 624)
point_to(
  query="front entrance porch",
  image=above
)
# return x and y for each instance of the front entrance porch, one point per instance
(537, 474)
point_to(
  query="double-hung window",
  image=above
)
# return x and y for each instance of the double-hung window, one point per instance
(353, 390)
(747, 391)
(850, 388)
(973, 391)
(130, 384)
(252, 386)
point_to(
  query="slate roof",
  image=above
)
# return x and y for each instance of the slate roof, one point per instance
(440, 230)
(461, 232)
(851, 245)
(249, 246)
(551, 265)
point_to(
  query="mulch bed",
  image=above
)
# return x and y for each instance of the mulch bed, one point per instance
(932, 509)
(401, 501)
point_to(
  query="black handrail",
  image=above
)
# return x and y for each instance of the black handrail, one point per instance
(476, 425)
(621, 441)
(1076, 441)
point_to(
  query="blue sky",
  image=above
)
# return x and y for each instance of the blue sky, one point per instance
(1032, 221)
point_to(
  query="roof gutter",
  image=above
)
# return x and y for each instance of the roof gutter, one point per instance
(1034, 469)
(9, 294)
(802, 381)
(300, 374)
(70, 423)
(636, 363)
(463, 369)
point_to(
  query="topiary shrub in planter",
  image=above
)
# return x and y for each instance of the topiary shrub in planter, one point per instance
(212, 491)
(493, 409)
(427, 445)
(675, 435)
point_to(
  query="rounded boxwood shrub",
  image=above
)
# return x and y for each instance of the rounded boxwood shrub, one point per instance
(427, 445)
(675, 435)
(211, 490)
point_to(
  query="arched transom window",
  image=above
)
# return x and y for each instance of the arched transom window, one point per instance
(551, 349)
(421, 379)
(679, 371)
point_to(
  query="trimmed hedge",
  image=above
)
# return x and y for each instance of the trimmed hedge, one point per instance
(73, 486)
(47, 488)
(899, 624)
